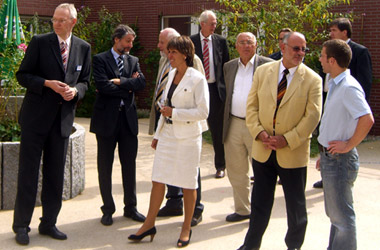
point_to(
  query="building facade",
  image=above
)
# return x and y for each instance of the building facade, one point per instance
(151, 16)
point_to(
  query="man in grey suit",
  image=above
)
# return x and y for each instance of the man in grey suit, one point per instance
(238, 76)
(55, 72)
(174, 204)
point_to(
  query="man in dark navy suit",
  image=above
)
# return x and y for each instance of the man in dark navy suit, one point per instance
(278, 55)
(55, 72)
(117, 77)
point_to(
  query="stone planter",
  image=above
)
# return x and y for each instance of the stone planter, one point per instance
(74, 178)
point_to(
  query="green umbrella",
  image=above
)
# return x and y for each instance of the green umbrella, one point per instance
(10, 23)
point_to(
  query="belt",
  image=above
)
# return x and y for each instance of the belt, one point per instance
(241, 118)
(322, 149)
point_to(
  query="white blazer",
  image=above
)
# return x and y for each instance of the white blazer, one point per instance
(191, 105)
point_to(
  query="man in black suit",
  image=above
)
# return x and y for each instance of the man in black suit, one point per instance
(360, 65)
(217, 55)
(55, 72)
(117, 77)
(278, 55)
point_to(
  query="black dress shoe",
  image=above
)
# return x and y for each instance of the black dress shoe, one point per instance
(53, 232)
(247, 248)
(318, 184)
(134, 215)
(236, 217)
(197, 218)
(22, 237)
(107, 220)
(168, 211)
(219, 173)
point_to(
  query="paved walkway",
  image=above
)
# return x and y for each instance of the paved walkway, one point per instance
(80, 217)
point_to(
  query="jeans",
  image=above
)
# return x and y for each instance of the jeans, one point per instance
(339, 173)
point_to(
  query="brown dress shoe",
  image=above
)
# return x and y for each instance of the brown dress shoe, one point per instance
(219, 173)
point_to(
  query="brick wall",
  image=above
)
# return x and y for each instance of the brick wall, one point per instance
(366, 27)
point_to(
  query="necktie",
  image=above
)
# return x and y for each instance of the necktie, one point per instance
(281, 89)
(161, 86)
(120, 64)
(206, 58)
(64, 54)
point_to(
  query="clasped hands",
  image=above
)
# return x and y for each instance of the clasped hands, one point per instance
(68, 93)
(272, 142)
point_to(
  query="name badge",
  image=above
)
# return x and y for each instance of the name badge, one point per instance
(79, 68)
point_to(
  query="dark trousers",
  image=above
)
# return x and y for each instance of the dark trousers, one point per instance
(293, 184)
(54, 147)
(175, 194)
(215, 123)
(127, 147)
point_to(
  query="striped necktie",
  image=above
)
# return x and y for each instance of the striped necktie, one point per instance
(161, 86)
(120, 64)
(206, 58)
(64, 54)
(281, 89)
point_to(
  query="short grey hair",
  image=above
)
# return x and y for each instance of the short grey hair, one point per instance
(122, 30)
(70, 7)
(203, 18)
(286, 37)
(170, 33)
(248, 34)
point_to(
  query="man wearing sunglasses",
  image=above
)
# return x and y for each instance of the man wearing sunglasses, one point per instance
(283, 109)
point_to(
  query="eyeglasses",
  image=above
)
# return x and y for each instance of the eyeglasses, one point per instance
(247, 42)
(53, 20)
(298, 49)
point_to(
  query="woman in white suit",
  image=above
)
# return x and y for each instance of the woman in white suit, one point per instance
(178, 138)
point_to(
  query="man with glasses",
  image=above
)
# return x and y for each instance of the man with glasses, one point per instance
(238, 75)
(56, 73)
(283, 109)
(278, 55)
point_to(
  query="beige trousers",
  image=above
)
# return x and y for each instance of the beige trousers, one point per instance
(237, 148)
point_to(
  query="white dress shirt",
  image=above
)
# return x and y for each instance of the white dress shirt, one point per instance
(212, 78)
(242, 87)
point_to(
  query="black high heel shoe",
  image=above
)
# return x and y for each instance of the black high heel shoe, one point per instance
(152, 232)
(184, 243)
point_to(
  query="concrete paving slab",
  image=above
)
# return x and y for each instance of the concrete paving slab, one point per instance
(80, 217)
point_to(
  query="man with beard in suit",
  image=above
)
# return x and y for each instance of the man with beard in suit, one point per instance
(55, 72)
(114, 121)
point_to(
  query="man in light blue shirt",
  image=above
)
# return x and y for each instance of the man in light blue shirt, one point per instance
(346, 121)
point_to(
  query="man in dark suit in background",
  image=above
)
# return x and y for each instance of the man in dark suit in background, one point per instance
(238, 75)
(360, 65)
(55, 72)
(278, 55)
(114, 121)
(212, 49)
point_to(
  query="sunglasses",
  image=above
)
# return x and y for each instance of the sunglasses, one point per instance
(298, 49)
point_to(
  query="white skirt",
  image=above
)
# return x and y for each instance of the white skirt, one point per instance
(176, 161)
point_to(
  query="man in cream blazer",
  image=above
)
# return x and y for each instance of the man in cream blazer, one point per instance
(281, 138)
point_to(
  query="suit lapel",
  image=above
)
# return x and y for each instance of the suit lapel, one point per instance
(54, 45)
(233, 69)
(294, 84)
(198, 46)
(112, 64)
(127, 65)
(274, 83)
(183, 82)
